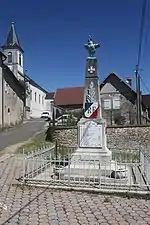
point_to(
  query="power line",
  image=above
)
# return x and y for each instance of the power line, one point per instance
(146, 39)
(147, 89)
(141, 31)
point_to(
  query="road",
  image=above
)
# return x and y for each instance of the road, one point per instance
(21, 133)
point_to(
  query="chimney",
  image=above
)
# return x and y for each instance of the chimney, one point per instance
(129, 81)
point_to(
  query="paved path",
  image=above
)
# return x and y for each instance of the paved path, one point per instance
(21, 133)
(36, 206)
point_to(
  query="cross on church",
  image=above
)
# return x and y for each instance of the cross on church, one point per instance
(91, 69)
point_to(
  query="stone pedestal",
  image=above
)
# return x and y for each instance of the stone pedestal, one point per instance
(92, 141)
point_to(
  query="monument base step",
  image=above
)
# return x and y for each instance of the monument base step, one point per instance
(97, 180)
(96, 170)
(102, 156)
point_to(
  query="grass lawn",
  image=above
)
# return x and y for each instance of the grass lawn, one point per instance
(35, 143)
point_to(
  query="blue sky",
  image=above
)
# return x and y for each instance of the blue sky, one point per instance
(53, 34)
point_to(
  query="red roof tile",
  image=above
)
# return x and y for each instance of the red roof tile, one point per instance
(74, 95)
(69, 96)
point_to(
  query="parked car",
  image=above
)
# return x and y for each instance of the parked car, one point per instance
(63, 120)
(45, 115)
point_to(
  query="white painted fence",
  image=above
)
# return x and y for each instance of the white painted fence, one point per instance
(55, 167)
(145, 164)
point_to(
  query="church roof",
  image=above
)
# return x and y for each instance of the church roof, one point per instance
(13, 82)
(12, 39)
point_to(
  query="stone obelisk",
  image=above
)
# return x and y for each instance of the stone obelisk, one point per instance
(92, 127)
(92, 157)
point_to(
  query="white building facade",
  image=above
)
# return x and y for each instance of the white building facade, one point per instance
(37, 100)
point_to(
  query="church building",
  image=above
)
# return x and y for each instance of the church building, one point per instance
(21, 97)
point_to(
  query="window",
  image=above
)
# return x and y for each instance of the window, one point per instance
(30, 94)
(107, 103)
(35, 96)
(116, 102)
(43, 100)
(9, 57)
(20, 59)
(39, 98)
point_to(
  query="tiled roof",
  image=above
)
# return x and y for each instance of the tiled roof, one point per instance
(2, 55)
(74, 95)
(50, 95)
(33, 83)
(13, 82)
(69, 96)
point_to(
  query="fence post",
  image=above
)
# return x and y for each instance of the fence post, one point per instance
(99, 174)
(56, 146)
(69, 162)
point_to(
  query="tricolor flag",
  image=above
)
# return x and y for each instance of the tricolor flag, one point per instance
(91, 110)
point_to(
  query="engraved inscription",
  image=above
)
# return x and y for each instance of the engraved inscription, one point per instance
(90, 135)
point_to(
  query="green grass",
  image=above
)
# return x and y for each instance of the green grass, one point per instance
(35, 143)
(126, 156)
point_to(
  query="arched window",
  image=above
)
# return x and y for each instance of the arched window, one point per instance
(20, 61)
(9, 57)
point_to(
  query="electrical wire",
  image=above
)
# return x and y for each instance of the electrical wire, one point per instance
(143, 83)
(146, 39)
(141, 32)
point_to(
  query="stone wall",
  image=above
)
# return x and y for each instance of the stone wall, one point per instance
(66, 136)
(118, 138)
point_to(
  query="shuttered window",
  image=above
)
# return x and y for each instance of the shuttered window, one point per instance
(116, 103)
(107, 103)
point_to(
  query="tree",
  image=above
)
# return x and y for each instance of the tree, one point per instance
(26, 86)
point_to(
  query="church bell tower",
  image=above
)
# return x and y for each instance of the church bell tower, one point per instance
(14, 53)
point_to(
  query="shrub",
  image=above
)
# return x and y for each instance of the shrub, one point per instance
(50, 133)
(119, 119)
(71, 120)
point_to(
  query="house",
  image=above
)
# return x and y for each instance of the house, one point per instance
(118, 99)
(34, 102)
(49, 100)
(146, 101)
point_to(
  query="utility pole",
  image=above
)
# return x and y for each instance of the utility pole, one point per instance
(138, 100)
